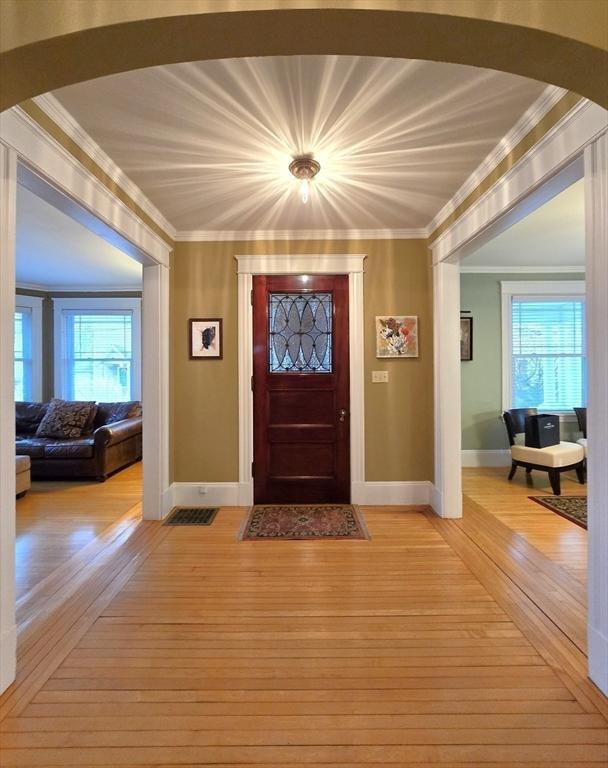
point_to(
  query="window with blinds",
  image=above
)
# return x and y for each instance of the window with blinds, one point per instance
(98, 355)
(548, 367)
(23, 355)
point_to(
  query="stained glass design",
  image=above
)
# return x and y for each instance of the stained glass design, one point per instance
(300, 332)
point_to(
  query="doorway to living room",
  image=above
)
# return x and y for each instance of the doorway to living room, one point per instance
(77, 390)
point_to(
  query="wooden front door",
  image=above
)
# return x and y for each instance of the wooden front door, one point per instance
(301, 389)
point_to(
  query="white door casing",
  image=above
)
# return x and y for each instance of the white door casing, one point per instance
(306, 264)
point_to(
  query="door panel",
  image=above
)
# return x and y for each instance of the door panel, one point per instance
(301, 389)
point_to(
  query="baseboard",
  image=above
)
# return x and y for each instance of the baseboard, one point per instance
(8, 657)
(212, 495)
(240, 494)
(486, 458)
(395, 492)
(598, 658)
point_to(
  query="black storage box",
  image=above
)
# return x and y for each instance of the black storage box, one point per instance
(542, 430)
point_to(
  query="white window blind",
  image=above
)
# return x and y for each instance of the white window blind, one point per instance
(98, 355)
(549, 369)
(23, 354)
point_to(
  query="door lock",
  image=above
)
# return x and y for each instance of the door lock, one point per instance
(342, 414)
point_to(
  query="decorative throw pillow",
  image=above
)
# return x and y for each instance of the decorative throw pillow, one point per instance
(108, 413)
(65, 418)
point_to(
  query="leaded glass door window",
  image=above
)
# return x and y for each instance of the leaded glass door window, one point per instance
(300, 332)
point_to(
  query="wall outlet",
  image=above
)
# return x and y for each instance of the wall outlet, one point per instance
(202, 490)
(379, 377)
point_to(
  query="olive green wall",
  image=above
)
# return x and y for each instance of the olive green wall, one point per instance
(204, 394)
(481, 378)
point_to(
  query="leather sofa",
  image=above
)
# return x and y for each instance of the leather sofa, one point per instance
(113, 441)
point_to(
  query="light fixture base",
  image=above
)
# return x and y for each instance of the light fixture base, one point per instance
(304, 167)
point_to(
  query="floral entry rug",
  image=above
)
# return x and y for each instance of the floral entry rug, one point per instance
(573, 508)
(303, 522)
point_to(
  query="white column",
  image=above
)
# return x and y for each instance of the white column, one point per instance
(447, 490)
(245, 323)
(596, 236)
(155, 391)
(8, 631)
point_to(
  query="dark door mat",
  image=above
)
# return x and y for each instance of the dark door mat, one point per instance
(573, 508)
(192, 516)
(304, 522)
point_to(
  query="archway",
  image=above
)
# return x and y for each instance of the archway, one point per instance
(52, 49)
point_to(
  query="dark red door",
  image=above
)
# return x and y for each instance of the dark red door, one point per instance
(301, 389)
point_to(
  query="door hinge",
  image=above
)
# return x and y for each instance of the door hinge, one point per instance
(252, 469)
(251, 297)
(252, 383)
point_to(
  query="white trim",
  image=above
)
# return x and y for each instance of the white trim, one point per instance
(8, 633)
(596, 234)
(483, 270)
(531, 117)
(53, 108)
(100, 304)
(447, 496)
(155, 390)
(383, 493)
(305, 264)
(52, 161)
(229, 494)
(203, 235)
(558, 148)
(509, 289)
(34, 304)
(247, 266)
(472, 458)
(52, 289)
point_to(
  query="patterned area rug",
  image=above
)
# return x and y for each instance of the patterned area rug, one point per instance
(573, 508)
(303, 521)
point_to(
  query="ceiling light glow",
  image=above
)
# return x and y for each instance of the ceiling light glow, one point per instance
(304, 168)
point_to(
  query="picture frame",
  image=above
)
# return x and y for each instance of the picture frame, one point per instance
(466, 339)
(397, 336)
(205, 338)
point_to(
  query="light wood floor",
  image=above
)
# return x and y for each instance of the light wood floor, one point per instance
(565, 543)
(414, 648)
(56, 520)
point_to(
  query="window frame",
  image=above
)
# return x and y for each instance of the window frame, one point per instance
(92, 306)
(543, 289)
(33, 305)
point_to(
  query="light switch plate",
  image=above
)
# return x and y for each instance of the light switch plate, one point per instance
(379, 377)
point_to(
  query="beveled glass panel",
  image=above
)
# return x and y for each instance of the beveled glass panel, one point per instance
(300, 332)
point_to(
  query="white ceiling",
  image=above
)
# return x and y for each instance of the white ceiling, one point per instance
(54, 251)
(209, 142)
(552, 236)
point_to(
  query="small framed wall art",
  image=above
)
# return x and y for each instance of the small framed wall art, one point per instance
(205, 338)
(466, 339)
(397, 336)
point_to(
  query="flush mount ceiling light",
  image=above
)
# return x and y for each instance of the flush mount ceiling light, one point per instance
(304, 168)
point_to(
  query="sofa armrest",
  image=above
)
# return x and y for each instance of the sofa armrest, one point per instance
(110, 434)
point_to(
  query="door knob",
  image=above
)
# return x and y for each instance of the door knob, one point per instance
(342, 414)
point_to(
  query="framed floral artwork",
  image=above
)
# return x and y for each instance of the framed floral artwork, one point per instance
(397, 336)
(205, 338)
(466, 339)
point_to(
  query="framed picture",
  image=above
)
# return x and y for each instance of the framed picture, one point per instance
(397, 336)
(466, 338)
(205, 338)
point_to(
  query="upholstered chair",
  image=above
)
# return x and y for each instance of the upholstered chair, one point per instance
(554, 459)
(581, 417)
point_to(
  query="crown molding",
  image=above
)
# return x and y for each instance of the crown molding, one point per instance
(533, 115)
(52, 289)
(511, 269)
(300, 234)
(69, 125)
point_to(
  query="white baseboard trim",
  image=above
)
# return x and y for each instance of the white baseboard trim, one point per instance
(395, 492)
(240, 494)
(598, 658)
(500, 458)
(8, 662)
(215, 494)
